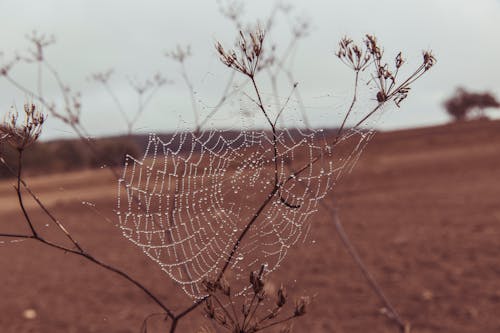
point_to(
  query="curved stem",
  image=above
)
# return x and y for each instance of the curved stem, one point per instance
(78, 252)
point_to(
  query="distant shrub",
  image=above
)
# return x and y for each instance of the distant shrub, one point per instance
(465, 105)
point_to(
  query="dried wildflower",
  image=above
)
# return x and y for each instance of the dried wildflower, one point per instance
(249, 59)
(232, 10)
(429, 60)
(372, 47)
(40, 42)
(102, 77)
(352, 55)
(180, 54)
(257, 281)
(399, 60)
(385, 78)
(141, 87)
(159, 80)
(301, 28)
(22, 136)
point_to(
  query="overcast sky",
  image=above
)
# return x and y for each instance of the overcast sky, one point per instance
(132, 36)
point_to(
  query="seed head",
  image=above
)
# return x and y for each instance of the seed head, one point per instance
(23, 135)
(429, 60)
(257, 281)
(248, 59)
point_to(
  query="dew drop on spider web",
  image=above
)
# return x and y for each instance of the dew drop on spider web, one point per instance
(186, 201)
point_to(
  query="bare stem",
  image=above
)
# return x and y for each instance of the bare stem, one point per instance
(80, 252)
(244, 232)
(354, 97)
(277, 322)
(192, 96)
(19, 193)
(369, 277)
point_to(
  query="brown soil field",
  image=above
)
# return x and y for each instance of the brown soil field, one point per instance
(422, 207)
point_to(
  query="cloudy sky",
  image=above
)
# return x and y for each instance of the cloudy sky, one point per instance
(132, 36)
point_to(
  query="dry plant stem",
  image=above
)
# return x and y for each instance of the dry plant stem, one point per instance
(223, 308)
(244, 232)
(354, 97)
(278, 322)
(78, 252)
(273, 128)
(294, 86)
(144, 326)
(40, 79)
(250, 310)
(42, 206)
(273, 75)
(192, 96)
(19, 193)
(369, 277)
(302, 107)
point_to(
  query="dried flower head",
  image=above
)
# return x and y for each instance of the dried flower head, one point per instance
(102, 77)
(257, 280)
(372, 47)
(180, 53)
(23, 135)
(40, 42)
(248, 60)
(352, 55)
(233, 11)
(301, 27)
(384, 76)
(429, 60)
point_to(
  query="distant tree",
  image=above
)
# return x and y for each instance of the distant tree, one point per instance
(465, 105)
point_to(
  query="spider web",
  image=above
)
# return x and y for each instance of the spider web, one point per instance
(190, 198)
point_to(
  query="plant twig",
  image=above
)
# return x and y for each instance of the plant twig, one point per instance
(394, 315)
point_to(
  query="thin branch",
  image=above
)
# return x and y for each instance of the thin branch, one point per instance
(244, 232)
(19, 194)
(192, 97)
(354, 97)
(78, 252)
(277, 322)
(15, 236)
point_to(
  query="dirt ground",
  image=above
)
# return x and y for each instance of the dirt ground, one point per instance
(422, 207)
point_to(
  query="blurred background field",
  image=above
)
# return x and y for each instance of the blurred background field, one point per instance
(421, 206)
